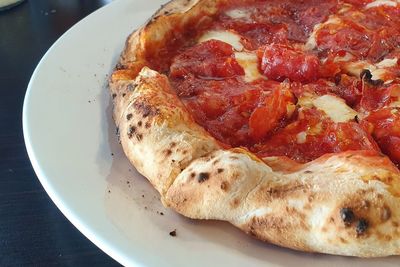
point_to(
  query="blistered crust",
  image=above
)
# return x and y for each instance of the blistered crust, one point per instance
(305, 209)
(346, 204)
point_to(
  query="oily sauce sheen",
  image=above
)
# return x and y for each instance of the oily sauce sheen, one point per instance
(285, 78)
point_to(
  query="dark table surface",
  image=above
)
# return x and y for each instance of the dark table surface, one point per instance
(32, 230)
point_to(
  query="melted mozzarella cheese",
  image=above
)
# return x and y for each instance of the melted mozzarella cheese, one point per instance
(335, 108)
(377, 70)
(381, 3)
(242, 14)
(224, 36)
(249, 63)
(387, 63)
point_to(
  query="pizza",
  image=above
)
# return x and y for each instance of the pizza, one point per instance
(279, 117)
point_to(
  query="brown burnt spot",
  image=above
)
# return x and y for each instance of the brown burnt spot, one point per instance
(192, 175)
(366, 76)
(129, 116)
(365, 204)
(167, 152)
(308, 171)
(395, 224)
(235, 203)
(219, 170)
(172, 145)
(385, 213)
(224, 186)
(147, 125)
(234, 157)
(145, 109)
(130, 87)
(131, 131)
(203, 176)
(119, 66)
(139, 137)
(114, 96)
(284, 191)
(361, 226)
(215, 162)
(184, 152)
(347, 216)
(140, 123)
(342, 240)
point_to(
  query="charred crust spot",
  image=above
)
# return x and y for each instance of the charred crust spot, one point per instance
(123, 95)
(140, 123)
(219, 170)
(307, 171)
(344, 241)
(361, 226)
(367, 77)
(173, 144)
(234, 157)
(119, 66)
(131, 131)
(192, 175)
(184, 152)
(147, 125)
(347, 216)
(351, 155)
(139, 137)
(145, 109)
(224, 186)
(173, 161)
(130, 87)
(167, 152)
(365, 204)
(215, 162)
(235, 202)
(114, 96)
(129, 116)
(203, 176)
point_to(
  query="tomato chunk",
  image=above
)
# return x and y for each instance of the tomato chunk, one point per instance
(279, 62)
(266, 117)
(212, 59)
(384, 125)
(314, 135)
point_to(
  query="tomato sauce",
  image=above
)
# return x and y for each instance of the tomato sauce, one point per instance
(268, 114)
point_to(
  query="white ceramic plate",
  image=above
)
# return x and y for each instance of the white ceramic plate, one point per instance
(71, 142)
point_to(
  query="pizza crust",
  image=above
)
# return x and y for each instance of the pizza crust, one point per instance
(301, 206)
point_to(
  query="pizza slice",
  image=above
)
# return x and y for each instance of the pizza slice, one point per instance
(280, 117)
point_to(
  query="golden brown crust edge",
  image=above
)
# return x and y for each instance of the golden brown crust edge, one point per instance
(302, 209)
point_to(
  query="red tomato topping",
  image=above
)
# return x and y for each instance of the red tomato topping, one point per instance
(212, 59)
(384, 126)
(267, 117)
(314, 135)
(279, 62)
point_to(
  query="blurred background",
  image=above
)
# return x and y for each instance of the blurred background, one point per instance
(33, 232)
